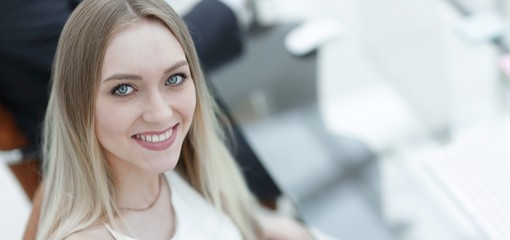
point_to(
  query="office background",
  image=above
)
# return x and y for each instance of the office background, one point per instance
(403, 78)
(339, 127)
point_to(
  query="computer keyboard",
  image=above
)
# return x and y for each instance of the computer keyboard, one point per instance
(475, 171)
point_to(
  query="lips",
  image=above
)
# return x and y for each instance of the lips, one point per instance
(157, 141)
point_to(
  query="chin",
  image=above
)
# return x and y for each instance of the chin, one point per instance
(164, 164)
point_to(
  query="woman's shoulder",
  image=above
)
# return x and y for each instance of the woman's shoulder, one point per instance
(93, 232)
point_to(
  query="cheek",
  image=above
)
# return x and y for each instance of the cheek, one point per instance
(110, 121)
(185, 105)
(103, 127)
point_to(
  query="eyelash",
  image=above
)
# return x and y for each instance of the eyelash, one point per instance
(113, 92)
(184, 76)
(116, 88)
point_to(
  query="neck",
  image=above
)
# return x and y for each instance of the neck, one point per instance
(148, 205)
(135, 187)
(139, 196)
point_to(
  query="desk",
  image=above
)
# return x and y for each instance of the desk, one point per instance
(14, 205)
(418, 204)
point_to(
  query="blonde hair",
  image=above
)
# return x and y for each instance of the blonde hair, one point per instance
(79, 188)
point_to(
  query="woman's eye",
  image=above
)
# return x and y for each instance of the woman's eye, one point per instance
(175, 79)
(122, 90)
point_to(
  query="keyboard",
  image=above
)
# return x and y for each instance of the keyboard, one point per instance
(475, 171)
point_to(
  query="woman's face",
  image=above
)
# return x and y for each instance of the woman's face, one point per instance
(146, 98)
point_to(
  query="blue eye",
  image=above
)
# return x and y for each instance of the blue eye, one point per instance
(122, 90)
(175, 79)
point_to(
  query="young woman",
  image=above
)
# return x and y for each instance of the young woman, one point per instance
(132, 147)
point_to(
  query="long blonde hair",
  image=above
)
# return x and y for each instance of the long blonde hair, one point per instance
(79, 188)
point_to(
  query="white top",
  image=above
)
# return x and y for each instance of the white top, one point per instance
(195, 217)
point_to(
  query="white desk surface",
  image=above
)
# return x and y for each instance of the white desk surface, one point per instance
(14, 205)
(412, 198)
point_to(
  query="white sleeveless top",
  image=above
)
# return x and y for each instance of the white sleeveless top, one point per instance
(195, 217)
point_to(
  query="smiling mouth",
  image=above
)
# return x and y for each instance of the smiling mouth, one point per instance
(155, 138)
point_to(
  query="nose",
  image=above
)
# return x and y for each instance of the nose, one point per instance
(158, 108)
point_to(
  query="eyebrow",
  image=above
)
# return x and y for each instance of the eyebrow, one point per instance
(127, 76)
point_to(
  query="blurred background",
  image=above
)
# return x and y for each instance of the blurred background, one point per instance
(340, 99)
(342, 128)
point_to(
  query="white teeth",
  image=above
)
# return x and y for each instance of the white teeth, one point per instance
(156, 138)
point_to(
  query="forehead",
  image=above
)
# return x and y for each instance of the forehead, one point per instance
(142, 45)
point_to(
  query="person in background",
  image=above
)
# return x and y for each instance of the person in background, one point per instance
(132, 146)
(217, 28)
